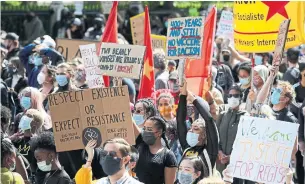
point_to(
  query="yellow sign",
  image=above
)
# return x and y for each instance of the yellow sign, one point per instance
(256, 24)
(158, 42)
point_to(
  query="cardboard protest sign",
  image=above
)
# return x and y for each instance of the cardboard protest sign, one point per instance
(184, 37)
(262, 149)
(69, 49)
(120, 60)
(106, 6)
(100, 114)
(158, 42)
(225, 25)
(94, 76)
(280, 42)
(137, 29)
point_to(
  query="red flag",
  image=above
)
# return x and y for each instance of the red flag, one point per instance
(198, 75)
(110, 33)
(147, 86)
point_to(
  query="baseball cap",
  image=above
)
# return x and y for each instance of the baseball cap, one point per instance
(11, 36)
(77, 22)
(46, 40)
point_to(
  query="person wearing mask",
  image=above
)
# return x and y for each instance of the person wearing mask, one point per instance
(143, 109)
(202, 137)
(300, 86)
(16, 73)
(293, 72)
(173, 142)
(161, 75)
(215, 89)
(157, 164)
(173, 85)
(227, 124)
(165, 104)
(12, 45)
(63, 78)
(134, 157)
(49, 170)
(115, 157)
(171, 66)
(244, 75)
(95, 32)
(191, 170)
(75, 30)
(46, 78)
(80, 77)
(33, 27)
(8, 163)
(60, 27)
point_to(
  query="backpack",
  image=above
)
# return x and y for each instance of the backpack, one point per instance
(222, 78)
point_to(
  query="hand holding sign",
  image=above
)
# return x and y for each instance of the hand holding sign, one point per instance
(90, 149)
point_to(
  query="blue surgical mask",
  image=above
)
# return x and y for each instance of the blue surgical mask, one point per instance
(62, 80)
(258, 60)
(244, 81)
(166, 24)
(25, 102)
(138, 118)
(25, 123)
(185, 178)
(192, 139)
(276, 95)
(37, 60)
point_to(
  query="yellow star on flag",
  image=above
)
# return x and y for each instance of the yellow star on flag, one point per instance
(147, 69)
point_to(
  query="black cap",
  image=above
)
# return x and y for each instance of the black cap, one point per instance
(12, 36)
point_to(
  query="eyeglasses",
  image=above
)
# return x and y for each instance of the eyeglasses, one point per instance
(233, 95)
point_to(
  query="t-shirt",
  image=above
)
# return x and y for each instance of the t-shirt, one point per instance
(8, 177)
(57, 177)
(300, 92)
(23, 147)
(150, 167)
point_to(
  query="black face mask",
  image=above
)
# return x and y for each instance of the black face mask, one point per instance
(226, 58)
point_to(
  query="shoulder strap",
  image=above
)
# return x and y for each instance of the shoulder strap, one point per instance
(207, 158)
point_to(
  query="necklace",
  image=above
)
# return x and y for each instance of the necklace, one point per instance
(50, 177)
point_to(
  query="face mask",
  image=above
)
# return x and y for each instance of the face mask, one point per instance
(226, 58)
(110, 164)
(244, 81)
(79, 76)
(165, 110)
(275, 97)
(43, 166)
(41, 77)
(192, 139)
(233, 102)
(138, 118)
(166, 24)
(13, 166)
(62, 80)
(258, 60)
(37, 61)
(25, 102)
(148, 137)
(185, 178)
(25, 123)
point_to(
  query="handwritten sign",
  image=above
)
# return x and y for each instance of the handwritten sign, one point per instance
(158, 42)
(262, 149)
(184, 37)
(280, 42)
(93, 72)
(137, 29)
(69, 49)
(119, 60)
(225, 25)
(100, 114)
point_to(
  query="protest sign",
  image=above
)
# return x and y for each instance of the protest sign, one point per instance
(280, 42)
(256, 24)
(69, 49)
(262, 149)
(93, 72)
(79, 6)
(225, 25)
(184, 37)
(120, 60)
(137, 29)
(158, 42)
(100, 114)
(106, 6)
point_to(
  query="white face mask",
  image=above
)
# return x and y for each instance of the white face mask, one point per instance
(43, 166)
(233, 102)
(41, 77)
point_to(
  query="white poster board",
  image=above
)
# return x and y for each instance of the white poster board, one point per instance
(120, 60)
(225, 26)
(262, 149)
(106, 6)
(79, 6)
(94, 76)
(185, 37)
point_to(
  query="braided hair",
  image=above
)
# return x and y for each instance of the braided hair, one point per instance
(7, 148)
(149, 107)
(161, 125)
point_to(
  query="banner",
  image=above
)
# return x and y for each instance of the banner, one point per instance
(94, 75)
(69, 49)
(225, 25)
(256, 24)
(100, 114)
(262, 149)
(184, 37)
(137, 29)
(158, 42)
(120, 60)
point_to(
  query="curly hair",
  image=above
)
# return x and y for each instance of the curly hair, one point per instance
(289, 90)
(44, 141)
(149, 107)
(6, 115)
(7, 148)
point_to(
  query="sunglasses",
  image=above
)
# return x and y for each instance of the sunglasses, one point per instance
(233, 95)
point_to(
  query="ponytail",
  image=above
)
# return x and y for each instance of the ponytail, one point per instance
(161, 125)
(165, 140)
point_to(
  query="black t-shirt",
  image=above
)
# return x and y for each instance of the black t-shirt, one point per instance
(291, 75)
(57, 177)
(285, 115)
(150, 167)
(24, 149)
(300, 93)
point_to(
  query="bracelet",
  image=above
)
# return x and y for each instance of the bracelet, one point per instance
(89, 161)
